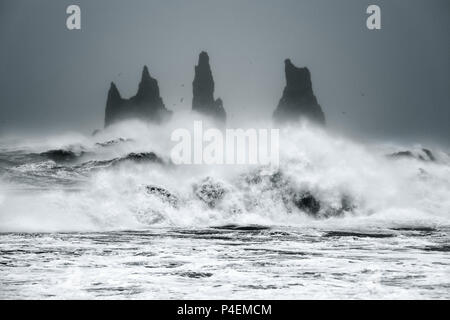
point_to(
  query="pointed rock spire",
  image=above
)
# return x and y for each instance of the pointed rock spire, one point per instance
(298, 100)
(203, 91)
(113, 91)
(145, 105)
(113, 105)
(145, 74)
(148, 87)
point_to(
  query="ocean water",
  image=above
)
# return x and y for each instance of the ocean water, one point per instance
(109, 216)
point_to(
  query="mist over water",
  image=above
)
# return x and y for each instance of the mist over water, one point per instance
(109, 216)
(86, 192)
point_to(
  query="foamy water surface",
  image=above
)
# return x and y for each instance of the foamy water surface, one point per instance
(109, 216)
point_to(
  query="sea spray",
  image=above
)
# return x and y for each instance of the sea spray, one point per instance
(322, 178)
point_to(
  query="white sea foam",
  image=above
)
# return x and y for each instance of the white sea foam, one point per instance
(152, 223)
(382, 190)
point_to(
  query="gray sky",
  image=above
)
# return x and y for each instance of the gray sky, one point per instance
(392, 83)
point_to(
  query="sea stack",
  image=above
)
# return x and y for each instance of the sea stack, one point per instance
(114, 105)
(146, 105)
(203, 91)
(298, 100)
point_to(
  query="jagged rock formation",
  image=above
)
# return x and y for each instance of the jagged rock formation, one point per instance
(114, 106)
(298, 100)
(145, 105)
(203, 89)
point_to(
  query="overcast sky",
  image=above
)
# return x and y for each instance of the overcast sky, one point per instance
(391, 83)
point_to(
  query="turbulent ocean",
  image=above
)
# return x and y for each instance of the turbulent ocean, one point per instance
(109, 216)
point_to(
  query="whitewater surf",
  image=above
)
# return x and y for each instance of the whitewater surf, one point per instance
(110, 216)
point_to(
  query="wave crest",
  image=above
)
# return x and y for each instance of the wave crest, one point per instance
(323, 178)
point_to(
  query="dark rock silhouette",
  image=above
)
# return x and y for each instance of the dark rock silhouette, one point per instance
(298, 100)
(115, 106)
(145, 105)
(203, 90)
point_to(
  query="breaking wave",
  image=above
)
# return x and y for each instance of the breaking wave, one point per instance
(122, 178)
